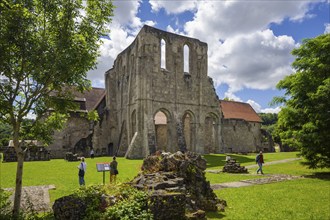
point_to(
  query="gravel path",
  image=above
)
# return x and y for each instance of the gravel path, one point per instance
(274, 162)
(272, 178)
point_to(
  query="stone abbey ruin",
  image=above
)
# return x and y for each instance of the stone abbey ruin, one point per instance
(152, 107)
(158, 97)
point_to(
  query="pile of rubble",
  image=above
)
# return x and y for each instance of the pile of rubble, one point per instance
(179, 175)
(232, 166)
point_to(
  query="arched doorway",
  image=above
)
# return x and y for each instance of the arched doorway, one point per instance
(161, 131)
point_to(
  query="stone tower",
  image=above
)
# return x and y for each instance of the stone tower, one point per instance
(159, 97)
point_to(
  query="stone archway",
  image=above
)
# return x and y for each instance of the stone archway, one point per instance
(161, 131)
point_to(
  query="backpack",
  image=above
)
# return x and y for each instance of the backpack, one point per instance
(81, 172)
(257, 158)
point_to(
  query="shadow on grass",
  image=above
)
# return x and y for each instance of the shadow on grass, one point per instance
(319, 175)
(219, 160)
(215, 215)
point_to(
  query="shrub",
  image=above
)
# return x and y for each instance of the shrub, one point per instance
(5, 212)
(133, 205)
(114, 202)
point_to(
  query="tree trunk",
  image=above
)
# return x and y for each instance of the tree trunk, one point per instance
(18, 188)
(19, 175)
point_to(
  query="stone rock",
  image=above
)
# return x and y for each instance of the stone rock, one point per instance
(232, 166)
(183, 173)
(69, 208)
(198, 215)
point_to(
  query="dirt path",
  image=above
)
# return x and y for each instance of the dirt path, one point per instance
(274, 162)
(271, 178)
(256, 165)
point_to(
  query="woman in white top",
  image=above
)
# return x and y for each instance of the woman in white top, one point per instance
(82, 169)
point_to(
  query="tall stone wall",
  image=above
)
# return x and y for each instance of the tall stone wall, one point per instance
(240, 136)
(138, 87)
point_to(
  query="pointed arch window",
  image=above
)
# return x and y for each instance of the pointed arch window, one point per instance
(186, 58)
(162, 54)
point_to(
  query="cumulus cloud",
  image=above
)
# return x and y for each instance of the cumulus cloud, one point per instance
(257, 60)
(223, 19)
(173, 7)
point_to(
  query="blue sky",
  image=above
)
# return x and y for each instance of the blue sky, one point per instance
(249, 42)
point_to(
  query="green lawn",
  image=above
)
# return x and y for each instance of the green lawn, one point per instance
(64, 175)
(306, 198)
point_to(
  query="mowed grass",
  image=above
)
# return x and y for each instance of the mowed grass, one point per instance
(306, 198)
(64, 175)
(296, 199)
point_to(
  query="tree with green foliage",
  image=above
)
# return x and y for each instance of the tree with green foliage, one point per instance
(45, 46)
(304, 121)
(268, 118)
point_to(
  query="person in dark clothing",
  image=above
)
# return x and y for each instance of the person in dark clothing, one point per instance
(113, 170)
(260, 161)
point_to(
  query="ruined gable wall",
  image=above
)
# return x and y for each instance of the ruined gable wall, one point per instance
(241, 136)
(137, 88)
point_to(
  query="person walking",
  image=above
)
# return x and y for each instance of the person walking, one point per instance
(113, 170)
(82, 170)
(92, 153)
(260, 161)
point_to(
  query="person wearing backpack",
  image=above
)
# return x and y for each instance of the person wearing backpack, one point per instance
(260, 161)
(82, 170)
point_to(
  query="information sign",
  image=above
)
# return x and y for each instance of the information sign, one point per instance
(103, 167)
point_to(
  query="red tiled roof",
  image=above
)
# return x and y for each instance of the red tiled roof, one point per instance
(238, 110)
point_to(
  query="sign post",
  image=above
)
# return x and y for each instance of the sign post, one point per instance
(103, 167)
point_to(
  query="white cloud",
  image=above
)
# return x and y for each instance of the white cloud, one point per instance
(257, 107)
(271, 110)
(232, 96)
(223, 19)
(258, 60)
(327, 28)
(173, 7)
(254, 105)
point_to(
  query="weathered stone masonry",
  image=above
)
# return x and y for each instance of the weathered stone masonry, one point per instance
(139, 91)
